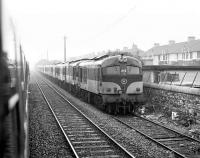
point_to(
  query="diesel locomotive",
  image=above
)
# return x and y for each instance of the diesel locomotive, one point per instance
(111, 82)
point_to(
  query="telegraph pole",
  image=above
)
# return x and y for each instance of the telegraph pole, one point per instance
(65, 56)
(65, 48)
(47, 55)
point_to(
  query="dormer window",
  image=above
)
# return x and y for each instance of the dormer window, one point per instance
(198, 54)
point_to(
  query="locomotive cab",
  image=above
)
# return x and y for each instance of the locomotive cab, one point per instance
(122, 81)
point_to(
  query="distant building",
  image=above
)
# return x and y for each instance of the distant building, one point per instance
(183, 53)
(133, 50)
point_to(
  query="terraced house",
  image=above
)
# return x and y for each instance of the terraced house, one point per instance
(183, 53)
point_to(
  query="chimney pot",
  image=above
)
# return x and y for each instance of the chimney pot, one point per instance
(191, 38)
(171, 42)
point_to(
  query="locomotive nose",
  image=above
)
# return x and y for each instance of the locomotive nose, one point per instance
(123, 96)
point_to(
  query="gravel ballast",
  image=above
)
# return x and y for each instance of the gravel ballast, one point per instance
(45, 137)
(130, 139)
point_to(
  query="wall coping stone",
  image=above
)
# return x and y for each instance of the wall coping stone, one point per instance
(174, 88)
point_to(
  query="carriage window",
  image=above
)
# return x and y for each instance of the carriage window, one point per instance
(114, 70)
(132, 70)
(85, 75)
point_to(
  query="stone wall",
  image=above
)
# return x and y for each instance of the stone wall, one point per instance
(173, 98)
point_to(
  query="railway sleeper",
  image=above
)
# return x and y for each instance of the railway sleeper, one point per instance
(106, 153)
(89, 141)
(171, 139)
(94, 147)
(78, 144)
(85, 138)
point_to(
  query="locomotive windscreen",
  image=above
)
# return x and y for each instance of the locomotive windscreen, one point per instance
(124, 70)
(131, 70)
(112, 70)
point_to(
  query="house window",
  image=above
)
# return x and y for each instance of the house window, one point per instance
(187, 56)
(198, 54)
(165, 57)
(191, 55)
(183, 56)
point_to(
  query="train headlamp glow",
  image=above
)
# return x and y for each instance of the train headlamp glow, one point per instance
(120, 91)
(122, 59)
(125, 60)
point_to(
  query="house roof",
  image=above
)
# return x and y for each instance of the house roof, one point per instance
(191, 46)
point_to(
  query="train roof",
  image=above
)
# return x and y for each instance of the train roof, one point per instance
(77, 62)
(106, 60)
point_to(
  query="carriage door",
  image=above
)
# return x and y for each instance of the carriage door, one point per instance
(98, 79)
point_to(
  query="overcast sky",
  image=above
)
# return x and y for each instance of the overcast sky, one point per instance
(94, 26)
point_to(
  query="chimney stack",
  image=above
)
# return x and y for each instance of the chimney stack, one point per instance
(125, 49)
(156, 44)
(171, 42)
(191, 38)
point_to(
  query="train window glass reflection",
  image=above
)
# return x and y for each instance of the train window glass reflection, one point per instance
(132, 70)
(114, 70)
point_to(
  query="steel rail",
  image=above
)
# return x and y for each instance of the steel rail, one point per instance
(173, 130)
(45, 98)
(154, 140)
(101, 130)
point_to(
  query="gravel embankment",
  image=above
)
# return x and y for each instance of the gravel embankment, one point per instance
(136, 143)
(45, 137)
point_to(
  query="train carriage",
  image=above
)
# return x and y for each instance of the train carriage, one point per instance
(13, 90)
(59, 71)
(72, 75)
(112, 82)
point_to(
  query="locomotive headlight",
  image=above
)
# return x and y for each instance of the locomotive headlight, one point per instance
(137, 89)
(120, 60)
(125, 60)
(120, 91)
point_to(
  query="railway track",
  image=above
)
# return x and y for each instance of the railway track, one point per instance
(179, 144)
(85, 138)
